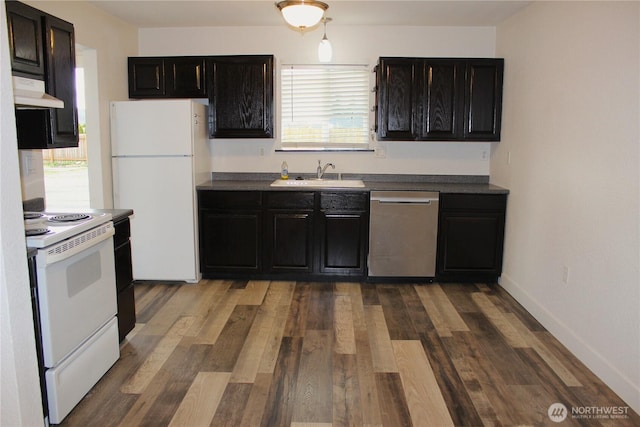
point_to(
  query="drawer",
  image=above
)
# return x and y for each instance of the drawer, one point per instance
(473, 202)
(225, 200)
(122, 232)
(290, 199)
(343, 201)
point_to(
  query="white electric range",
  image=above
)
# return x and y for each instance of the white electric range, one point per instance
(76, 293)
(45, 228)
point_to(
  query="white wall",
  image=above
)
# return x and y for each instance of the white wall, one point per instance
(110, 42)
(352, 45)
(19, 385)
(571, 126)
(114, 41)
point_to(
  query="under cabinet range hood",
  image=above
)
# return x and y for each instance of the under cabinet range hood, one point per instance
(29, 94)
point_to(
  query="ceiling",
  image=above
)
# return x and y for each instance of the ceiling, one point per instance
(198, 13)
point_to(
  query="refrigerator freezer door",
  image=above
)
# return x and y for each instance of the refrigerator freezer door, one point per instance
(152, 128)
(163, 226)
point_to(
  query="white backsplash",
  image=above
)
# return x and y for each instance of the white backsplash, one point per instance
(31, 174)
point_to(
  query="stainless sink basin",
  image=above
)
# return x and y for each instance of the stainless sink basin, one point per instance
(318, 183)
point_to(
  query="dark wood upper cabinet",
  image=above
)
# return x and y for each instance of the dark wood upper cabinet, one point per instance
(483, 99)
(439, 99)
(397, 99)
(43, 47)
(61, 80)
(186, 77)
(241, 97)
(239, 89)
(167, 77)
(25, 38)
(146, 78)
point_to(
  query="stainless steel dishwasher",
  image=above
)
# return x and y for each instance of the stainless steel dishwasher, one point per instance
(402, 233)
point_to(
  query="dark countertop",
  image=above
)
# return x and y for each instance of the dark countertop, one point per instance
(116, 214)
(441, 183)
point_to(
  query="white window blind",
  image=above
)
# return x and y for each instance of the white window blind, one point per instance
(324, 106)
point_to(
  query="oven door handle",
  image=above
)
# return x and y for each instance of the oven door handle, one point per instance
(74, 245)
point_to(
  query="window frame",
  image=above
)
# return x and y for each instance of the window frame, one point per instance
(303, 146)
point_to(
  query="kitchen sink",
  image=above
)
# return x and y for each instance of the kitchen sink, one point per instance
(318, 183)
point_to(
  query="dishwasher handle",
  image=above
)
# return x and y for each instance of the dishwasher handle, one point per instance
(404, 200)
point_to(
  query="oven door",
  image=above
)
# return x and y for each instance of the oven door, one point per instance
(76, 291)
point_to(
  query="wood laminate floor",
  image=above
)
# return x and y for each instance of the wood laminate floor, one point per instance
(260, 353)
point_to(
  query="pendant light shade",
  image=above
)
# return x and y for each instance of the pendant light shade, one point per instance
(325, 51)
(302, 14)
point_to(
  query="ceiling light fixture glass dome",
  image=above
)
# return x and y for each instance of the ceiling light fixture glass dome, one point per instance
(302, 14)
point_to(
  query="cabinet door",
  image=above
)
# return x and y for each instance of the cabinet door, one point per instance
(241, 97)
(442, 96)
(343, 233)
(470, 237)
(25, 38)
(289, 242)
(186, 77)
(230, 224)
(289, 232)
(61, 81)
(483, 99)
(230, 242)
(146, 78)
(397, 99)
(53, 127)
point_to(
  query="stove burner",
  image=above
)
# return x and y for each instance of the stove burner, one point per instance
(37, 231)
(69, 217)
(33, 215)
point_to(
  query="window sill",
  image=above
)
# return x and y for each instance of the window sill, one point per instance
(323, 149)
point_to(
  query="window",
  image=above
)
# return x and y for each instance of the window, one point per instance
(325, 107)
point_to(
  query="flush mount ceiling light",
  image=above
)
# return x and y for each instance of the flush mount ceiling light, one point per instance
(302, 14)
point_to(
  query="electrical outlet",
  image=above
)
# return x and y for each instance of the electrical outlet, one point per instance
(508, 157)
(565, 275)
(485, 155)
(381, 152)
(261, 152)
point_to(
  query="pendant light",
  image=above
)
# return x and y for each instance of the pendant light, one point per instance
(302, 14)
(325, 51)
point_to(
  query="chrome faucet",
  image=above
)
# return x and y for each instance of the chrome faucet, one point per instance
(321, 170)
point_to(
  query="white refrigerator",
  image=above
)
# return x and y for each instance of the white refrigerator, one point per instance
(160, 152)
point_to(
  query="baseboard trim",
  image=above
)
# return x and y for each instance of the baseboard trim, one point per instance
(588, 355)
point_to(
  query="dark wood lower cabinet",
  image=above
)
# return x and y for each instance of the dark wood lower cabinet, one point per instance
(289, 232)
(470, 237)
(230, 242)
(315, 235)
(124, 278)
(230, 232)
(298, 234)
(344, 233)
(290, 242)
